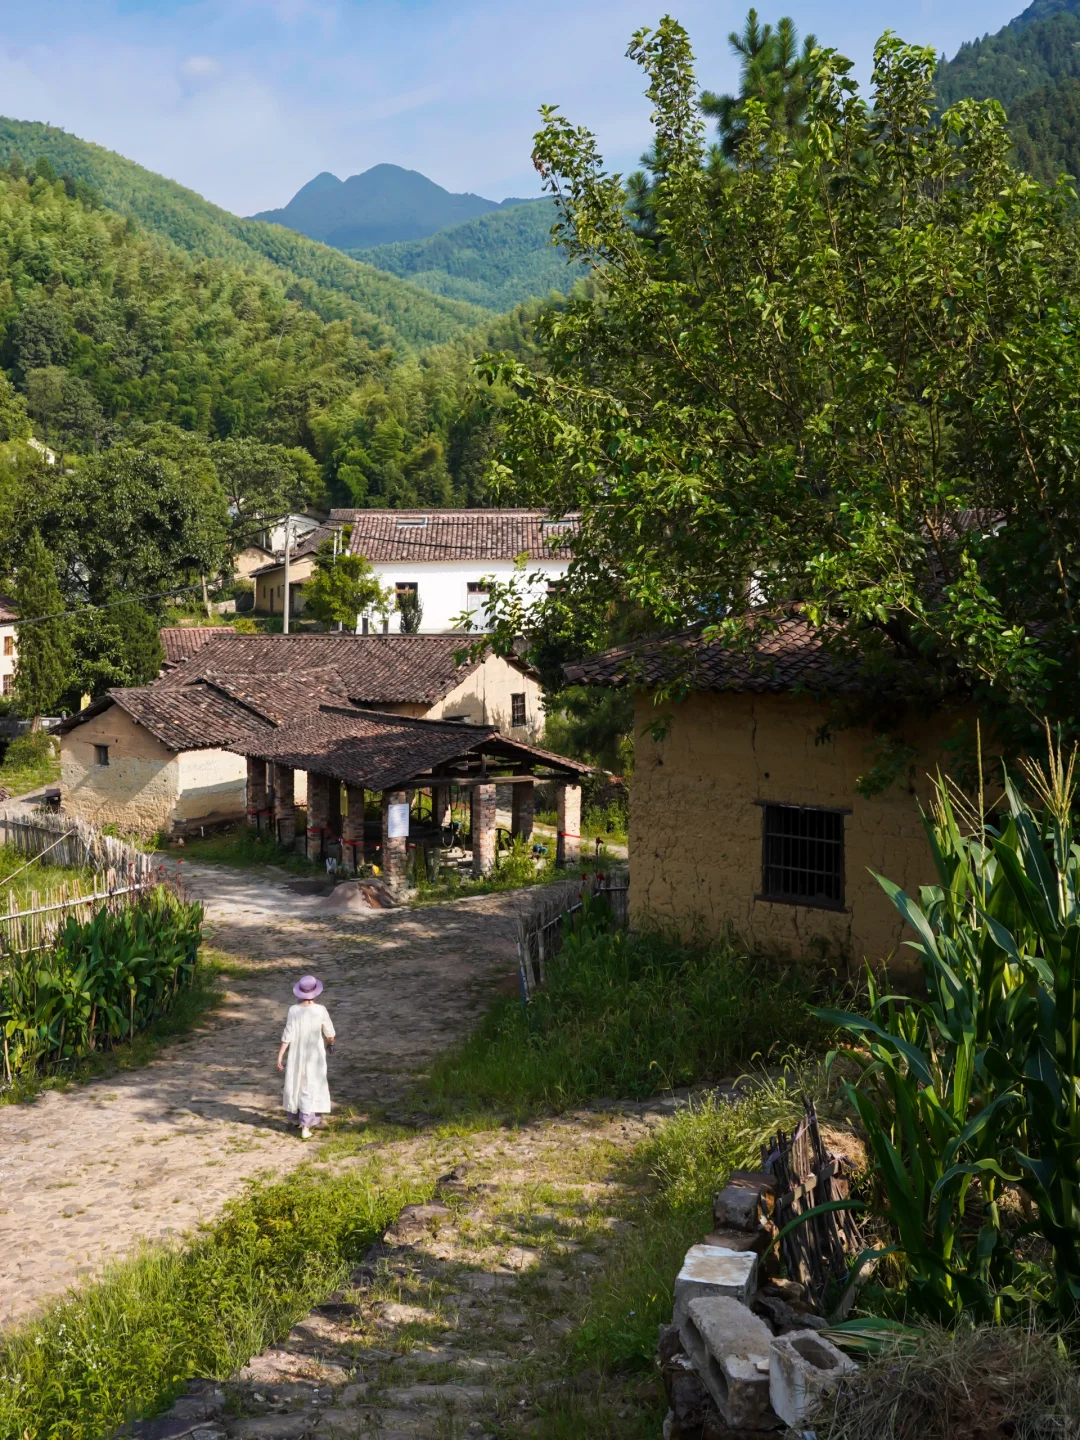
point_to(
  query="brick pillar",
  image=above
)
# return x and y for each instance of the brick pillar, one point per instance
(568, 851)
(483, 829)
(440, 806)
(521, 809)
(318, 813)
(256, 792)
(394, 847)
(284, 810)
(352, 830)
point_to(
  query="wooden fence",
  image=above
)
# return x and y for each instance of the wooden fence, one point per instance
(540, 930)
(119, 874)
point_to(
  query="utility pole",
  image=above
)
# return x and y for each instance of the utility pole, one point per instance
(288, 541)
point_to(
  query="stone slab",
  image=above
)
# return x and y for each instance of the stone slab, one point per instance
(803, 1368)
(745, 1202)
(712, 1270)
(730, 1349)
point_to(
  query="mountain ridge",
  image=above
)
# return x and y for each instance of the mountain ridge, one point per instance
(381, 205)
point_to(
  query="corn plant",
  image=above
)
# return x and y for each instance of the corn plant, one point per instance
(99, 982)
(982, 1077)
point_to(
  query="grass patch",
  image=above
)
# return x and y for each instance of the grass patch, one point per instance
(247, 849)
(683, 1165)
(33, 874)
(126, 1345)
(190, 1008)
(30, 762)
(628, 1015)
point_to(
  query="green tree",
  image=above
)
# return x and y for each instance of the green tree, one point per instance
(44, 665)
(45, 393)
(116, 645)
(262, 482)
(774, 72)
(344, 587)
(847, 379)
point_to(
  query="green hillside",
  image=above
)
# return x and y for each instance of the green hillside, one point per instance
(496, 260)
(382, 308)
(1039, 47)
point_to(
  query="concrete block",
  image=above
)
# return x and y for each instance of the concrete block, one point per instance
(741, 1240)
(712, 1270)
(803, 1367)
(746, 1201)
(729, 1348)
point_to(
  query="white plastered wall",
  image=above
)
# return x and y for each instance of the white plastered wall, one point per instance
(444, 587)
(213, 786)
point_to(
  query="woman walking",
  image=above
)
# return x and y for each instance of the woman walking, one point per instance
(306, 1096)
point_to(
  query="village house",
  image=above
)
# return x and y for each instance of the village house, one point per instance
(742, 816)
(445, 557)
(158, 757)
(9, 646)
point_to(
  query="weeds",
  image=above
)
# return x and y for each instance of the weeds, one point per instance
(22, 874)
(128, 1343)
(30, 761)
(626, 1015)
(246, 848)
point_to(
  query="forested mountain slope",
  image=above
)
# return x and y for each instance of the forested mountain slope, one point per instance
(381, 307)
(384, 204)
(496, 260)
(1039, 47)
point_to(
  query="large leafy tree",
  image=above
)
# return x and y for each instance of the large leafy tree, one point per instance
(43, 670)
(846, 376)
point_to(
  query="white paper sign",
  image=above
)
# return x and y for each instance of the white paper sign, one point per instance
(397, 822)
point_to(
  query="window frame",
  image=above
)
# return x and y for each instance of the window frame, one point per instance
(99, 751)
(519, 698)
(9, 646)
(817, 902)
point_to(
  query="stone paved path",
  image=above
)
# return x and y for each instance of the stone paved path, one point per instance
(87, 1173)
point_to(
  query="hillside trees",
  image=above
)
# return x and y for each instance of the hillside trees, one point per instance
(845, 377)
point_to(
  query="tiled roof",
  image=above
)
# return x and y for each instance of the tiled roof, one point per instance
(7, 610)
(373, 669)
(415, 535)
(380, 752)
(305, 546)
(793, 654)
(181, 641)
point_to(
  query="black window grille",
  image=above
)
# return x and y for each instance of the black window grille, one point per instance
(517, 709)
(803, 860)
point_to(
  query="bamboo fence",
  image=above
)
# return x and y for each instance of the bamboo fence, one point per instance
(119, 874)
(540, 929)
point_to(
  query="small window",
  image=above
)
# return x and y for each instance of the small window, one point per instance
(9, 644)
(517, 709)
(101, 754)
(478, 587)
(7, 684)
(406, 587)
(412, 522)
(803, 856)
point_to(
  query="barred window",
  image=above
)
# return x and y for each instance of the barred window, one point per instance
(803, 855)
(517, 709)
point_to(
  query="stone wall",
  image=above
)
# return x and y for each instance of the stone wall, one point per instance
(696, 823)
(137, 790)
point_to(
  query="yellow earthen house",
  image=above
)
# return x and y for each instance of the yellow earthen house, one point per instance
(743, 817)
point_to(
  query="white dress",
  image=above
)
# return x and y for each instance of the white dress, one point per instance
(306, 1089)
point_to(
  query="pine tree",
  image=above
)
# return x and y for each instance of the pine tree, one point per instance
(44, 664)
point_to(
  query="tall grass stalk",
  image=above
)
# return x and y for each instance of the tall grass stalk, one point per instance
(122, 1346)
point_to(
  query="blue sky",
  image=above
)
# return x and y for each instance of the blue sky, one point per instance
(245, 100)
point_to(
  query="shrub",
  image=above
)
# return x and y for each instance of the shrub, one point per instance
(30, 750)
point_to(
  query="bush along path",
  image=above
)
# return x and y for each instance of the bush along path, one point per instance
(464, 1320)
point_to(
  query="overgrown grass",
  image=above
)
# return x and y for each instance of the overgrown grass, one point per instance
(125, 1345)
(628, 1015)
(22, 874)
(247, 849)
(687, 1160)
(192, 1005)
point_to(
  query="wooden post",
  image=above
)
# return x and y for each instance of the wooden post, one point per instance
(483, 829)
(395, 838)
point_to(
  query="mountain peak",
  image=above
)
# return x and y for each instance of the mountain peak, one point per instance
(376, 207)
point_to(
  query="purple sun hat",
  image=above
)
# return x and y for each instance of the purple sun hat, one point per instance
(307, 988)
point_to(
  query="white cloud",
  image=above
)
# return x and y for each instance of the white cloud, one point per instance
(200, 66)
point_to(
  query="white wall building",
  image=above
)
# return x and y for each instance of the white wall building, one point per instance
(9, 647)
(445, 556)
